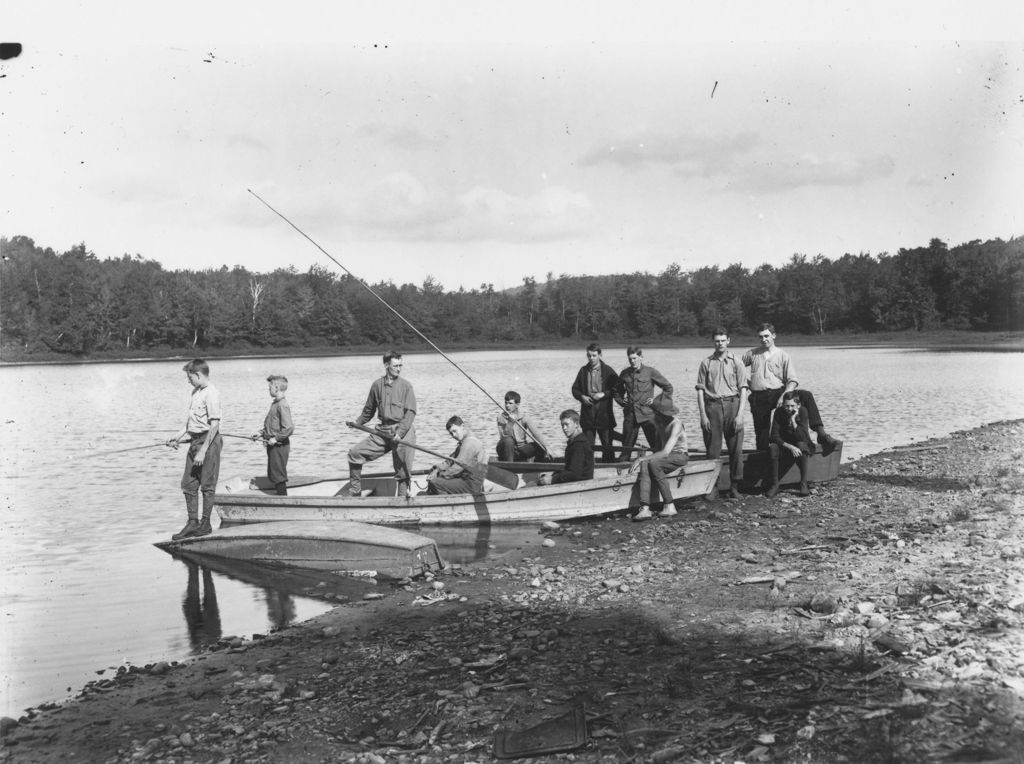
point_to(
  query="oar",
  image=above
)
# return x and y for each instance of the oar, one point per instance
(494, 474)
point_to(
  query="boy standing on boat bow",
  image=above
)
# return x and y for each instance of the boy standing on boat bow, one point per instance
(393, 400)
(202, 463)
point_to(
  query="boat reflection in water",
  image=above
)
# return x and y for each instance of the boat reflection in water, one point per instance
(282, 585)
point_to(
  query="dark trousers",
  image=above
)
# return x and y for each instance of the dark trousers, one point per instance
(277, 466)
(722, 418)
(607, 450)
(510, 451)
(764, 402)
(202, 477)
(630, 431)
(780, 454)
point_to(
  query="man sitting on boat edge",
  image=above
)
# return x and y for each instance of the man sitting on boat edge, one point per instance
(579, 454)
(464, 471)
(515, 431)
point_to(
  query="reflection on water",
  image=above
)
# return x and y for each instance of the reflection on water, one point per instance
(82, 587)
(201, 613)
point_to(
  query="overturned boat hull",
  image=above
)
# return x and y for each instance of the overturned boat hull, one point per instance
(350, 547)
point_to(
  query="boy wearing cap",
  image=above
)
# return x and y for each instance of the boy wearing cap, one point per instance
(671, 456)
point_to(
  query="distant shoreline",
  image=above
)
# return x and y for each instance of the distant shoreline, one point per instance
(953, 341)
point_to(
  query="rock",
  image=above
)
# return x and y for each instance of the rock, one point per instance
(548, 542)
(437, 586)
(550, 525)
(160, 668)
(822, 602)
(186, 740)
(331, 631)
(7, 724)
(611, 583)
(373, 596)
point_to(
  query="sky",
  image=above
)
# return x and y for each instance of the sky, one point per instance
(477, 143)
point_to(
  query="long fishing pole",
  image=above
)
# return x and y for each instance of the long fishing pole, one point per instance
(381, 299)
(123, 450)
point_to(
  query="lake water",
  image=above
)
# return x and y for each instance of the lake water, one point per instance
(85, 590)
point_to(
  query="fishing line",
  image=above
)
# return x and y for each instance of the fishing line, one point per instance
(381, 299)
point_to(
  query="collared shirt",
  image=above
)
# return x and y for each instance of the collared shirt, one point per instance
(769, 370)
(278, 422)
(722, 376)
(514, 426)
(595, 380)
(394, 402)
(469, 451)
(638, 386)
(204, 407)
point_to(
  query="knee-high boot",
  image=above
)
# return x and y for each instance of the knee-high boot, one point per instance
(355, 474)
(204, 525)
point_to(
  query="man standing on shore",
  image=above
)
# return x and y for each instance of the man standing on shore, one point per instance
(595, 388)
(637, 383)
(722, 389)
(771, 376)
(393, 400)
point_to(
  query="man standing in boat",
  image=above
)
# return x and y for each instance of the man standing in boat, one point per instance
(637, 383)
(771, 376)
(579, 454)
(464, 471)
(722, 389)
(393, 400)
(595, 388)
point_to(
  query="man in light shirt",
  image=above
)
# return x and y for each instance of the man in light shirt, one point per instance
(771, 376)
(722, 390)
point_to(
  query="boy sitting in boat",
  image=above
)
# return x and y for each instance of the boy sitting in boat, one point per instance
(579, 454)
(672, 455)
(515, 431)
(464, 471)
(790, 433)
(276, 433)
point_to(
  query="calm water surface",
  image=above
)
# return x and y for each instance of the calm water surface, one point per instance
(84, 589)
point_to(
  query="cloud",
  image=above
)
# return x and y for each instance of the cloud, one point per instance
(400, 136)
(401, 206)
(740, 161)
(786, 173)
(690, 153)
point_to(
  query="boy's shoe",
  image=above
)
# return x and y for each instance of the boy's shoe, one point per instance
(204, 529)
(191, 529)
(643, 514)
(668, 511)
(734, 491)
(772, 492)
(804, 490)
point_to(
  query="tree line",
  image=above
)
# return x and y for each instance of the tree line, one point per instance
(74, 304)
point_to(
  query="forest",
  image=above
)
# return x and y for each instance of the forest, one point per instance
(74, 305)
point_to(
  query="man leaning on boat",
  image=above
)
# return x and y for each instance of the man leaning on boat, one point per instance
(393, 400)
(464, 471)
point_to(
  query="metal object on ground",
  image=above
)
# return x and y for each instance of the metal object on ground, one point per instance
(562, 733)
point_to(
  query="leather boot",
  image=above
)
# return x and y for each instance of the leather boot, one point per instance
(826, 441)
(355, 474)
(192, 509)
(281, 489)
(734, 490)
(205, 529)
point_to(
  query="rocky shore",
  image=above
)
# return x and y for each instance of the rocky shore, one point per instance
(878, 620)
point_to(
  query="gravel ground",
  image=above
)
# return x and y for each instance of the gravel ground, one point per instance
(878, 620)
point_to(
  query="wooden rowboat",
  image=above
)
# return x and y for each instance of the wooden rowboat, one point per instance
(821, 467)
(336, 546)
(244, 501)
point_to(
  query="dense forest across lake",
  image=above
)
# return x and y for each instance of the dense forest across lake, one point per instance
(75, 305)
